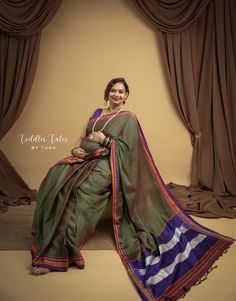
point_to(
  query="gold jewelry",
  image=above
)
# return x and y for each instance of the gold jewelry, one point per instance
(106, 142)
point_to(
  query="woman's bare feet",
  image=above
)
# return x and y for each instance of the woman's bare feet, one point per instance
(39, 271)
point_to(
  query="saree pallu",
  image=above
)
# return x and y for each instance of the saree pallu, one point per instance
(163, 249)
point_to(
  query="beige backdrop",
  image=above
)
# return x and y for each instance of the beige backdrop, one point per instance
(88, 43)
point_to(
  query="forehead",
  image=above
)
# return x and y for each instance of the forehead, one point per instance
(118, 86)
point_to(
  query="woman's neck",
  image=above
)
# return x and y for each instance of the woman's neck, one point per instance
(114, 109)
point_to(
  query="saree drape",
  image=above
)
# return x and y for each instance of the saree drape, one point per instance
(198, 44)
(163, 249)
(21, 23)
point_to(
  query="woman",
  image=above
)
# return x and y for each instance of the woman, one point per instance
(163, 249)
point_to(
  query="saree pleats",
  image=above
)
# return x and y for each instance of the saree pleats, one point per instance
(163, 249)
(64, 219)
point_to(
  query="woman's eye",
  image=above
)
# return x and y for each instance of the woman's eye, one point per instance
(119, 91)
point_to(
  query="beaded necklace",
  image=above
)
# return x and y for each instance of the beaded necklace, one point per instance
(105, 122)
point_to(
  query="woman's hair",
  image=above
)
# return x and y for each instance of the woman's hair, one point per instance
(112, 83)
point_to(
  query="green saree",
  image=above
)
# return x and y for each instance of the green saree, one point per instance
(163, 249)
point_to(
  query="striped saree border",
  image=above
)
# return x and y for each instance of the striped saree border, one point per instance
(115, 184)
(115, 188)
(202, 267)
(54, 263)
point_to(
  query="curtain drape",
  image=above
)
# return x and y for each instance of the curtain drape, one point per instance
(198, 43)
(21, 23)
(172, 16)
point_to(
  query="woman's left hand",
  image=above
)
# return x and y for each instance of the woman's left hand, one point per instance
(96, 137)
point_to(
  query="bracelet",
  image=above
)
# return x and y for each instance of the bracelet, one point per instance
(109, 143)
(106, 142)
(72, 151)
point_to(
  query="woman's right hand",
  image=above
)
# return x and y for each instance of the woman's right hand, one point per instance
(79, 153)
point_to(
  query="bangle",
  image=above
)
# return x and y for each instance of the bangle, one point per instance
(72, 151)
(106, 142)
(109, 143)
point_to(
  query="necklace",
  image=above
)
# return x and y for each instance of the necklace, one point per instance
(105, 122)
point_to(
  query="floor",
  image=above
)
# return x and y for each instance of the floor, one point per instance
(105, 279)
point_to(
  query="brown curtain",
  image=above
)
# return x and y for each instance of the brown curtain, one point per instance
(198, 43)
(21, 23)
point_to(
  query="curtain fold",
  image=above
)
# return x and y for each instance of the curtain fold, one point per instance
(199, 54)
(27, 17)
(18, 62)
(172, 16)
(21, 23)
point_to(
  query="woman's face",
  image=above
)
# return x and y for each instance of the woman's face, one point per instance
(117, 95)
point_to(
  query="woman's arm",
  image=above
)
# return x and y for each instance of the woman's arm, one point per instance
(83, 135)
(77, 151)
